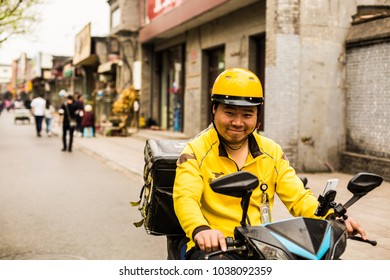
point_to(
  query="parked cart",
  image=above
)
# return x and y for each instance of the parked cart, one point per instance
(22, 115)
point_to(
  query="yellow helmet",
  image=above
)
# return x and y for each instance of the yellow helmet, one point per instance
(237, 86)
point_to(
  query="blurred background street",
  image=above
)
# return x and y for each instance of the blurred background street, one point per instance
(60, 205)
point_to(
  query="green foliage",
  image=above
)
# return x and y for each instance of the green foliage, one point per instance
(16, 17)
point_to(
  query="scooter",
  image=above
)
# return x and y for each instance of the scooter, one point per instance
(176, 244)
(295, 238)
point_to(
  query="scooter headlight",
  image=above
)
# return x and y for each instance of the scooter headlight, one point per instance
(270, 252)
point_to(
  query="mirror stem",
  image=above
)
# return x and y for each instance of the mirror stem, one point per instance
(245, 205)
(355, 198)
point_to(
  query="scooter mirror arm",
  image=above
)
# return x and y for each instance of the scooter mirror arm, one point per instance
(355, 198)
(340, 211)
(244, 205)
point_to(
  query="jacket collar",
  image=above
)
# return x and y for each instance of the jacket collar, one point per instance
(254, 148)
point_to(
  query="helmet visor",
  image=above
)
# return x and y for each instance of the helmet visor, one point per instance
(237, 100)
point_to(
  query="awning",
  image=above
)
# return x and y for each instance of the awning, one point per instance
(106, 67)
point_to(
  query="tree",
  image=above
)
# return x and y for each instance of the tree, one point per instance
(16, 17)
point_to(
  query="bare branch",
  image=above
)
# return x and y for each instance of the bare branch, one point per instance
(15, 17)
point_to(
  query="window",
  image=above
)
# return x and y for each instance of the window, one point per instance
(115, 17)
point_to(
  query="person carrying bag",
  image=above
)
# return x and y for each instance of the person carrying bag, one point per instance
(68, 109)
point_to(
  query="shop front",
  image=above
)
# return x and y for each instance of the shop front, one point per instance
(170, 81)
(185, 47)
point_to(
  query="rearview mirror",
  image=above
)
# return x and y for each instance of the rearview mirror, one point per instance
(363, 183)
(239, 184)
(236, 184)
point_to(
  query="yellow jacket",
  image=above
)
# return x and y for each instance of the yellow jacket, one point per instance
(204, 159)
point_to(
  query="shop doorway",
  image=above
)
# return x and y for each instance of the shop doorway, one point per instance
(171, 85)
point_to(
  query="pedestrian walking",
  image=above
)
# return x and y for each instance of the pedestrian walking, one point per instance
(68, 119)
(49, 111)
(88, 122)
(38, 105)
(2, 106)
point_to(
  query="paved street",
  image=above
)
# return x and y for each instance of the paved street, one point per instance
(95, 209)
(60, 205)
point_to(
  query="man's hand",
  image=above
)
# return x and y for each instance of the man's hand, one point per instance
(353, 227)
(210, 240)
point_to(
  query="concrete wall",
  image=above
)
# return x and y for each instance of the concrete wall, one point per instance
(126, 34)
(282, 75)
(129, 15)
(305, 79)
(194, 110)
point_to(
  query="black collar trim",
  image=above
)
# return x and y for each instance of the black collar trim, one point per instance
(254, 148)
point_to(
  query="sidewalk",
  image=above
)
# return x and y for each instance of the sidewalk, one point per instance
(123, 153)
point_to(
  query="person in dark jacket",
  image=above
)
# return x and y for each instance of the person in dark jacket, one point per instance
(68, 113)
(88, 121)
(79, 102)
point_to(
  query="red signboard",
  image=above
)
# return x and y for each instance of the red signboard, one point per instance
(156, 8)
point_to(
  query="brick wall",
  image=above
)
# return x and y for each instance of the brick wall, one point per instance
(368, 110)
(368, 100)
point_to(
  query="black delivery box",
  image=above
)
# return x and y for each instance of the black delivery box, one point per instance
(156, 196)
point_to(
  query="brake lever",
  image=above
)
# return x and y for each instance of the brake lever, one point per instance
(358, 238)
(229, 250)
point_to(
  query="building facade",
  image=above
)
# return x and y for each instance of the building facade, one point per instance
(5, 77)
(296, 47)
(182, 58)
(290, 45)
